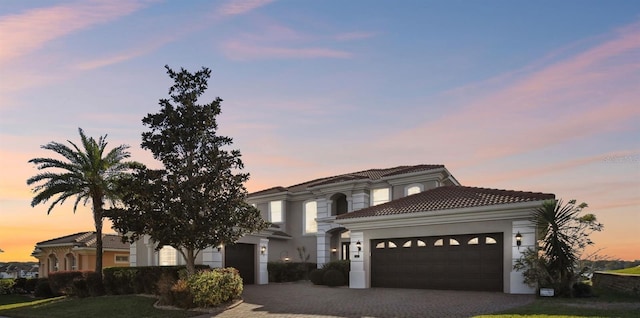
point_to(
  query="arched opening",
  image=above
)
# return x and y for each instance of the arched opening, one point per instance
(339, 244)
(339, 205)
(70, 262)
(53, 263)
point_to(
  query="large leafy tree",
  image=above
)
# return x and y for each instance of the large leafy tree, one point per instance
(87, 172)
(563, 234)
(198, 199)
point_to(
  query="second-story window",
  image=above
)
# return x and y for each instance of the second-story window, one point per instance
(412, 189)
(275, 212)
(379, 196)
(310, 215)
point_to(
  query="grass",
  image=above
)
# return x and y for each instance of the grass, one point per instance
(630, 270)
(94, 307)
(605, 306)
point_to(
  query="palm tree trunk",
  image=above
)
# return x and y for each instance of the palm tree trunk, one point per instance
(97, 218)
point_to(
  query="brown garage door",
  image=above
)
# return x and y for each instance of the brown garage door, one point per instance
(241, 257)
(458, 262)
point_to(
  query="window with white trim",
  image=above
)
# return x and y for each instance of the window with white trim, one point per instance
(379, 196)
(413, 189)
(275, 212)
(168, 256)
(310, 214)
(122, 258)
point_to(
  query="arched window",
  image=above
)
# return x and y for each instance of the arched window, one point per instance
(421, 243)
(473, 241)
(392, 245)
(407, 244)
(453, 242)
(70, 262)
(53, 263)
(439, 242)
(413, 189)
(490, 240)
(310, 214)
(380, 245)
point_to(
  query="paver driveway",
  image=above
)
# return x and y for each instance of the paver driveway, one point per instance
(305, 300)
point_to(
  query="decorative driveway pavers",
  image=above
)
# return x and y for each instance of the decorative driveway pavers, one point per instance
(303, 300)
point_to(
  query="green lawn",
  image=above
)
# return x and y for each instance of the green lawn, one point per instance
(606, 306)
(630, 270)
(94, 307)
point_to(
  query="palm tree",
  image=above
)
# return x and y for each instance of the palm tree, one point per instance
(562, 235)
(87, 174)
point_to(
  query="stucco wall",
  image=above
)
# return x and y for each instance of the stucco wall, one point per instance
(622, 283)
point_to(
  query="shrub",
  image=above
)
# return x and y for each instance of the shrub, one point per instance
(62, 282)
(214, 287)
(30, 285)
(6, 286)
(43, 288)
(181, 294)
(582, 289)
(288, 272)
(140, 280)
(316, 276)
(20, 285)
(333, 277)
(343, 266)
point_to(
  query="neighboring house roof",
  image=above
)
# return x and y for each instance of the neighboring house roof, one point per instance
(86, 239)
(448, 197)
(371, 174)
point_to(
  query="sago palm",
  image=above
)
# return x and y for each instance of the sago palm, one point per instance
(86, 173)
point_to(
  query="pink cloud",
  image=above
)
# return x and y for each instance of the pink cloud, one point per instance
(236, 7)
(592, 92)
(23, 33)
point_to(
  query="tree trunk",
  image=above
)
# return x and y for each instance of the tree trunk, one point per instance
(97, 218)
(191, 261)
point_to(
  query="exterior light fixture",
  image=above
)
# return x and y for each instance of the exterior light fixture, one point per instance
(219, 247)
(359, 247)
(518, 239)
(263, 249)
(334, 250)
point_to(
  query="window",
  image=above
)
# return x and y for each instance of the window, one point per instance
(168, 256)
(310, 215)
(473, 241)
(122, 258)
(413, 189)
(407, 244)
(439, 242)
(421, 243)
(490, 240)
(453, 242)
(275, 212)
(392, 245)
(380, 196)
(380, 245)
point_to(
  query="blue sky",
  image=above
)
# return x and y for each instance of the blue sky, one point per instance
(537, 96)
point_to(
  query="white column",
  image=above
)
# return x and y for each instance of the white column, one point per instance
(527, 230)
(133, 260)
(152, 255)
(359, 201)
(323, 241)
(263, 259)
(357, 275)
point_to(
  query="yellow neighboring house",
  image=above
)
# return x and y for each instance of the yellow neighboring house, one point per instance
(77, 252)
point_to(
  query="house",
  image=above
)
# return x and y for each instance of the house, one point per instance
(77, 252)
(407, 226)
(18, 270)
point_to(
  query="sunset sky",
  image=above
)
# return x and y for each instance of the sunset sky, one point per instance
(522, 95)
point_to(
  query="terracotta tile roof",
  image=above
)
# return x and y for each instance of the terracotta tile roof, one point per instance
(87, 239)
(371, 174)
(448, 197)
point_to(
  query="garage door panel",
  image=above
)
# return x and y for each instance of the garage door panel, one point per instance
(458, 262)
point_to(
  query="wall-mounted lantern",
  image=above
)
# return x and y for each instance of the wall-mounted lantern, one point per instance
(263, 249)
(518, 239)
(219, 247)
(359, 247)
(334, 250)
